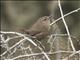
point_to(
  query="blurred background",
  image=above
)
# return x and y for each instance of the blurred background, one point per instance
(17, 15)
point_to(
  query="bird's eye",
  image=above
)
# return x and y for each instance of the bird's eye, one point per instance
(44, 19)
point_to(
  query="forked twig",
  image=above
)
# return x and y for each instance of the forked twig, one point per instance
(64, 16)
(69, 37)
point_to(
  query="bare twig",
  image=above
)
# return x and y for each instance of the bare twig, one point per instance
(64, 16)
(25, 38)
(76, 52)
(35, 54)
(69, 37)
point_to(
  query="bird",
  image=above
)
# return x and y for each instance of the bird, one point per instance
(40, 29)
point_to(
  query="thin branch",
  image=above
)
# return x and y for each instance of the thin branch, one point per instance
(25, 38)
(13, 47)
(65, 16)
(69, 37)
(36, 54)
(46, 55)
(76, 52)
(2, 38)
(19, 35)
(8, 39)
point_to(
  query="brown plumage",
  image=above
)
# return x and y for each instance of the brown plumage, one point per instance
(40, 29)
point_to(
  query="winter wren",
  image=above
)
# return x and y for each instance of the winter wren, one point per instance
(40, 29)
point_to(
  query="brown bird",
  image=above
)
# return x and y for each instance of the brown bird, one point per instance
(40, 29)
